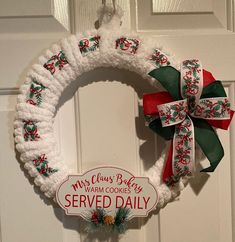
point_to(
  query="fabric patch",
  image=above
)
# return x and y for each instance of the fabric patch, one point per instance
(127, 45)
(159, 59)
(42, 166)
(30, 131)
(35, 93)
(88, 45)
(56, 62)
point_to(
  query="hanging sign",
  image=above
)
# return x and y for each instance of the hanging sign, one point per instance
(107, 188)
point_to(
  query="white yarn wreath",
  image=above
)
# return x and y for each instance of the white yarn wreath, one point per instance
(44, 84)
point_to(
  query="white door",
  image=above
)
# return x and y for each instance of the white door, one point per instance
(114, 133)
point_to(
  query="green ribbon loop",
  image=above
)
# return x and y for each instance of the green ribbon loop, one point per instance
(215, 89)
(169, 78)
(209, 143)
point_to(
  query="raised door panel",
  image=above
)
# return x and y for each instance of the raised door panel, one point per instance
(9, 8)
(182, 6)
(25, 214)
(185, 16)
(25, 32)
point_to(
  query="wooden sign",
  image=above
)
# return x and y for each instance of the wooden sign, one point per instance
(109, 188)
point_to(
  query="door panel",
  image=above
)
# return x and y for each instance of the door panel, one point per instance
(100, 121)
(184, 16)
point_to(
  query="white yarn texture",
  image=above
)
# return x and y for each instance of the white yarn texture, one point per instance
(43, 115)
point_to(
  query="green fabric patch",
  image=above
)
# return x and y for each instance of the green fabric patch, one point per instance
(209, 143)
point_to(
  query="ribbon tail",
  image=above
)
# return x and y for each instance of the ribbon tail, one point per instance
(169, 78)
(168, 173)
(180, 160)
(183, 149)
(209, 143)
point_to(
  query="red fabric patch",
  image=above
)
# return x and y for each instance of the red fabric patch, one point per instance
(207, 78)
(168, 172)
(152, 100)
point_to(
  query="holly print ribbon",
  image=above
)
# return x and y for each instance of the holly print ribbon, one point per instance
(128, 45)
(173, 113)
(187, 120)
(87, 45)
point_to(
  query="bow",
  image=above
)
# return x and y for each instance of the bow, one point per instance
(185, 114)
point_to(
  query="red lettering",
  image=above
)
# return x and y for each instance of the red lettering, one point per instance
(82, 200)
(109, 200)
(93, 181)
(119, 179)
(90, 202)
(80, 184)
(138, 199)
(74, 200)
(119, 198)
(67, 200)
(146, 201)
(75, 186)
(98, 200)
(128, 183)
(128, 202)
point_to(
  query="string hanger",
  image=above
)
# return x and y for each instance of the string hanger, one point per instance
(110, 14)
(114, 4)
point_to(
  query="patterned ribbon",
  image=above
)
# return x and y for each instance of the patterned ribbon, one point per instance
(83, 44)
(181, 113)
(178, 113)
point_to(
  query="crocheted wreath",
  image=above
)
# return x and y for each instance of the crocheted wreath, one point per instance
(179, 114)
